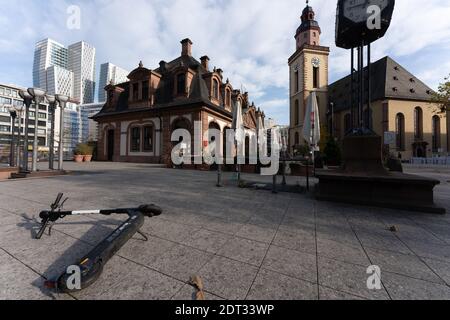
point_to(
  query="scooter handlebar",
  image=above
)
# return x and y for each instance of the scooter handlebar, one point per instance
(150, 210)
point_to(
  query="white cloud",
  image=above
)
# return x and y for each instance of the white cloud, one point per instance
(251, 39)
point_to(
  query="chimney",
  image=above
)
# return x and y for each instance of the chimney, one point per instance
(205, 62)
(186, 47)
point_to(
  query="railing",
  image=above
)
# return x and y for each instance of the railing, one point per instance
(436, 161)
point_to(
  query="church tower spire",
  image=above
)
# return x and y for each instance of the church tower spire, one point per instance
(309, 31)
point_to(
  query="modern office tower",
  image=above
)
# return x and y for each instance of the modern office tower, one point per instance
(72, 129)
(110, 73)
(48, 53)
(9, 100)
(82, 63)
(89, 126)
(69, 71)
(59, 80)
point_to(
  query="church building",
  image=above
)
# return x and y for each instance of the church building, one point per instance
(400, 103)
(139, 117)
(308, 71)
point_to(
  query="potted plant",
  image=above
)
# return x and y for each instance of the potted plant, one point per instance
(88, 153)
(78, 154)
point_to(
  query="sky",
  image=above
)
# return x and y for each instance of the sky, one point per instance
(251, 40)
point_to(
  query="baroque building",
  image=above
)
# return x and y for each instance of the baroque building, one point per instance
(139, 116)
(308, 71)
(400, 104)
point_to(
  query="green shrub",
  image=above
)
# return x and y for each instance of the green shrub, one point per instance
(83, 149)
(332, 153)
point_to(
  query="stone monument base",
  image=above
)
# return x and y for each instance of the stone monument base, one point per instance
(363, 180)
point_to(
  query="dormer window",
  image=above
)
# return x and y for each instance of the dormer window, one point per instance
(181, 84)
(135, 91)
(145, 87)
(110, 96)
(215, 89)
(228, 97)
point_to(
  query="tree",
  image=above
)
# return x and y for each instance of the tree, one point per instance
(442, 96)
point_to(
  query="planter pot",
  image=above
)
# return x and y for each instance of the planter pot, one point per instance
(78, 158)
(87, 158)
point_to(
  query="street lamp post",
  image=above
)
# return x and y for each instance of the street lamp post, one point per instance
(19, 111)
(12, 161)
(62, 100)
(38, 97)
(52, 108)
(27, 99)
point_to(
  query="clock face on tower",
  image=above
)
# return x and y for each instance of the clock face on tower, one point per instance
(315, 62)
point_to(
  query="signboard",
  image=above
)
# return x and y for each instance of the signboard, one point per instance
(389, 138)
(362, 20)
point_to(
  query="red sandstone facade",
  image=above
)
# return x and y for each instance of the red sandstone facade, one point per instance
(139, 117)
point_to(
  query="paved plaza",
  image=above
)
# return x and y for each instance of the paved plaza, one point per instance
(244, 244)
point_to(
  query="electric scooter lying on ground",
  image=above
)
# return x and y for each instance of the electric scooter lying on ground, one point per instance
(91, 266)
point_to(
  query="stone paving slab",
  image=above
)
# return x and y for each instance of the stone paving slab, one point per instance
(244, 244)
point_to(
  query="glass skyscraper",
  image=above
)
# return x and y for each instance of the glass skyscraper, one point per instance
(69, 71)
(110, 73)
(82, 63)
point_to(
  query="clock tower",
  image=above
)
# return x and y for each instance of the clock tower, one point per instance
(308, 71)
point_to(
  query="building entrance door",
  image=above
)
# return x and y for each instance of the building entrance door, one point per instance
(110, 145)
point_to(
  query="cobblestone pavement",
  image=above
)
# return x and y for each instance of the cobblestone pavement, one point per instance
(244, 244)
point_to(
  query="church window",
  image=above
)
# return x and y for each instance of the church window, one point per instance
(315, 77)
(418, 123)
(297, 82)
(297, 113)
(400, 131)
(436, 133)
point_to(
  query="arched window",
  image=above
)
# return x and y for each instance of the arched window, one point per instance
(148, 138)
(400, 131)
(436, 133)
(228, 97)
(315, 77)
(181, 83)
(216, 89)
(347, 123)
(418, 124)
(297, 113)
(135, 139)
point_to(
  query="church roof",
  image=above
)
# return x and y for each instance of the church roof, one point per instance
(389, 80)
